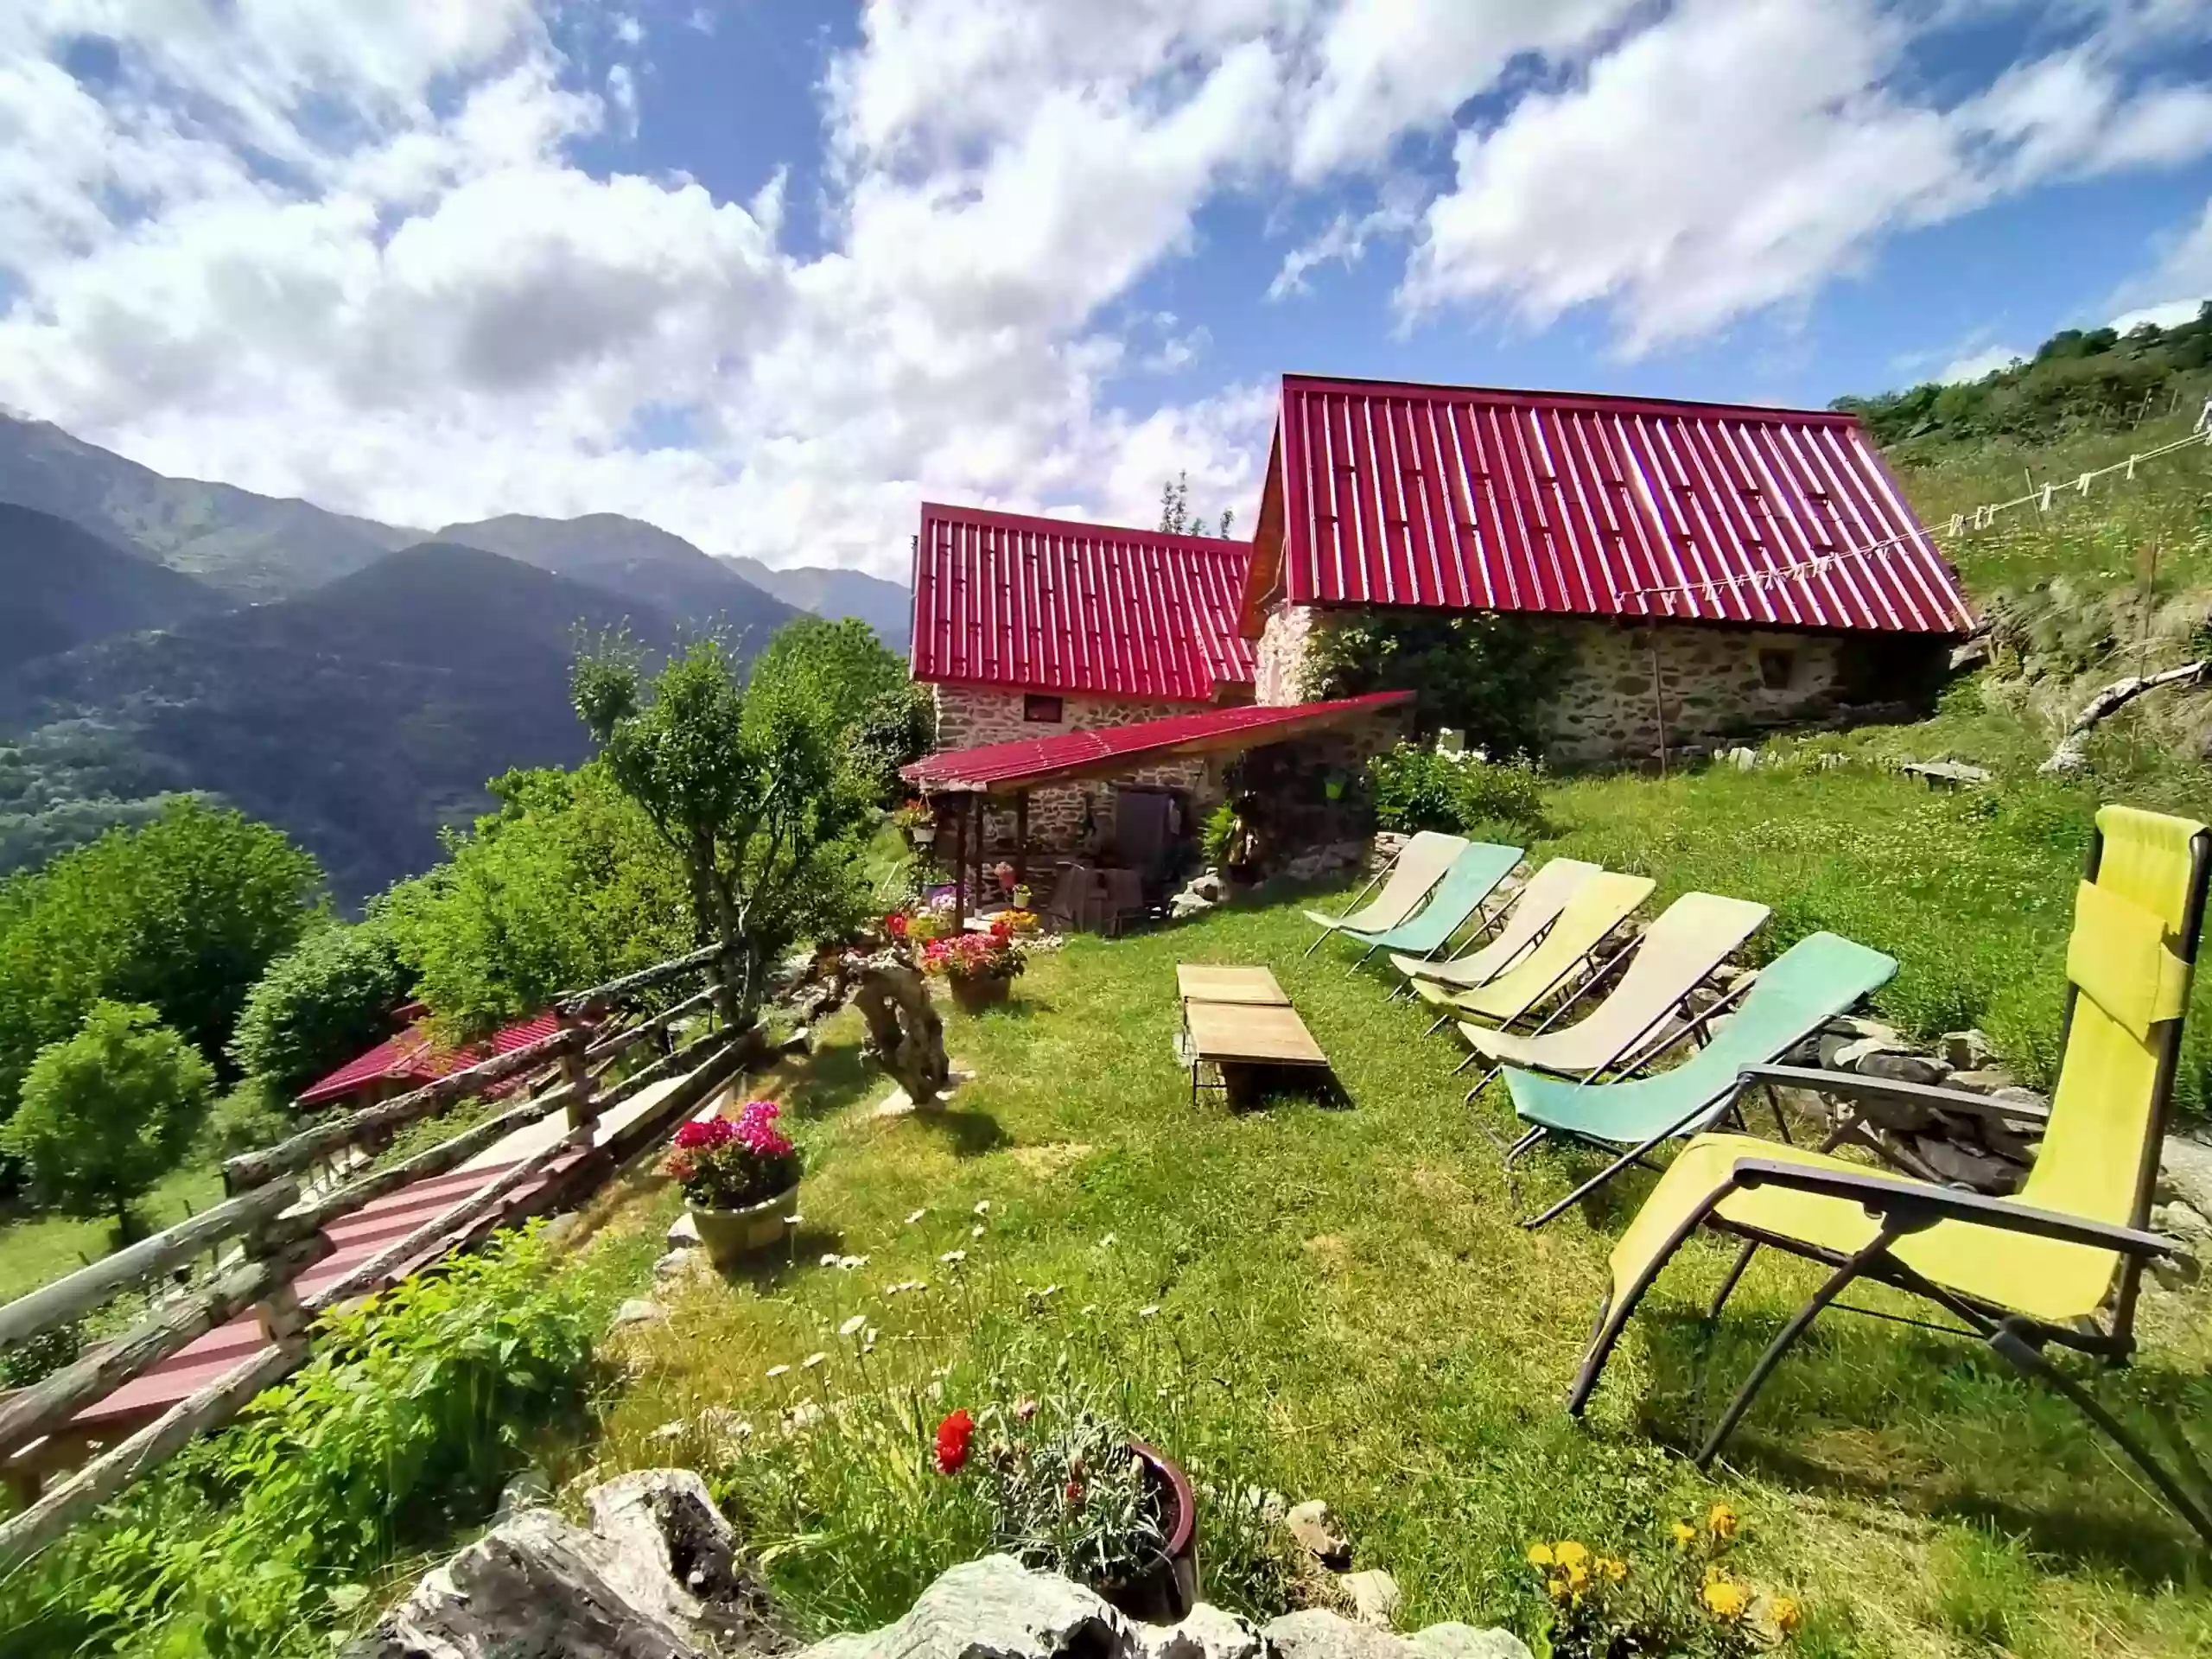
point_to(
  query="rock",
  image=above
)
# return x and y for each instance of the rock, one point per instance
(1969, 653)
(2186, 1173)
(1965, 1050)
(995, 1609)
(1315, 1531)
(2178, 1271)
(539, 1585)
(528, 1491)
(2181, 1221)
(1210, 1632)
(1904, 1068)
(1466, 1642)
(679, 1264)
(684, 1233)
(1984, 1079)
(1985, 1171)
(1743, 760)
(1374, 1595)
(1851, 1025)
(636, 1311)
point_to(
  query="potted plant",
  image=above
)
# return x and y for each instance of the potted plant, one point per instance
(917, 821)
(979, 967)
(1075, 1493)
(740, 1180)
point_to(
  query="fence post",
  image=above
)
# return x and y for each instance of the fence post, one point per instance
(583, 1100)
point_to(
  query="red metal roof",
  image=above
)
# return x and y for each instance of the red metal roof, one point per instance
(410, 1057)
(1467, 498)
(1053, 605)
(1002, 767)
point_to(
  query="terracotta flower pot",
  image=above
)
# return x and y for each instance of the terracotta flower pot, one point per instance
(730, 1236)
(972, 993)
(1166, 1594)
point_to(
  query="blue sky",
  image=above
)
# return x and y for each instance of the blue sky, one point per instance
(770, 272)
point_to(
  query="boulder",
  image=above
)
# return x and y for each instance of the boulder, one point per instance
(1962, 1166)
(1315, 1531)
(996, 1609)
(1317, 1635)
(1466, 1642)
(1904, 1068)
(2181, 1221)
(1851, 1025)
(636, 1311)
(2186, 1173)
(1984, 1079)
(1374, 1595)
(1208, 1633)
(1965, 1050)
(654, 1577)
(684, 1233)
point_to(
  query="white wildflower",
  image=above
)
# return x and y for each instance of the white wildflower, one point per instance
(778, 1370)
(1107, 1243)
(852, 1325)
(830, 1259)
(1146, 1312)
(917, 1216)
(983, 1206)
(974, 1232)
(814, 1359)
(953, 1258)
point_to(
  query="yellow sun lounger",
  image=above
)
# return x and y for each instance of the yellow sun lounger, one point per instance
(2019, 1273)
(1421, 864)
(1599, 906)
(1535, 908)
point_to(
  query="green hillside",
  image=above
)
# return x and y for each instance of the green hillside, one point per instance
(65, 586)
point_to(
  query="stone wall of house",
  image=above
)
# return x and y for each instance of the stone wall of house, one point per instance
(968, 715)
(1713, 685)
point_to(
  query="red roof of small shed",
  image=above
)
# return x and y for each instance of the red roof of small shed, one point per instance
(1003, 767)
(410, 1058)
(1054, 605)
(1467, 498)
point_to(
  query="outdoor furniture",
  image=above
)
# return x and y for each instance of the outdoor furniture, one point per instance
(1599, 906)
(1821, 976)
(1535, 908)
(1421, 864)
(1088, 898)
(2019, 1273)
(1678, 953)
(1238, 1019)
(1466, 886)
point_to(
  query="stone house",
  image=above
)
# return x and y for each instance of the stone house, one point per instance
(1028, 627)
(1716, 571)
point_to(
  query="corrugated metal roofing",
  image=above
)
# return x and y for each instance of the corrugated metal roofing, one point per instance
(1054, 605)
(998, 767)
(1467, 498)
(410, 1057)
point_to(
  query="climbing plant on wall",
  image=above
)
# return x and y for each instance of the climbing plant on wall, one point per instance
(1488, 675)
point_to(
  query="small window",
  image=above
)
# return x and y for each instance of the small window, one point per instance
(1043, 710)
(1777, 669)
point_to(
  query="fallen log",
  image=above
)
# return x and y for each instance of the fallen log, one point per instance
(2072, 753)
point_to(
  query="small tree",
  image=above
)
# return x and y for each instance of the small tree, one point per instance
(1176, 518)
(751, 787)
(319, 1005)
(108, 1112)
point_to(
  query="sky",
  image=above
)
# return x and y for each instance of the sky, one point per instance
(769, 273)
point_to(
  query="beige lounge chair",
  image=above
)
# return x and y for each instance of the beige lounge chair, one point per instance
(1535, 908)
(1599, 906)
(1692, 936)
(1419, 867)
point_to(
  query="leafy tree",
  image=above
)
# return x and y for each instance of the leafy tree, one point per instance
(1176, 518)
(182, 914)
(566, 886)
(750, 786)
(888, 721)
(108, 1112)
(1490, 675)
(319, 1005)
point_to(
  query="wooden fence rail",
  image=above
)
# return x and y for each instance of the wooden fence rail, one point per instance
(279, 1234)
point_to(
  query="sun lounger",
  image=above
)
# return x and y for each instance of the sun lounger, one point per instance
(2059, 1263)
(1692, 936)
(1466, 886)
(1599, 906)
(1533, 909)
(1421, 864)
(1821, 976)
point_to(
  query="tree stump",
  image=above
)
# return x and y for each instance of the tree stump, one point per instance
(904, 1032)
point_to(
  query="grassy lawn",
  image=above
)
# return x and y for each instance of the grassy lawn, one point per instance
(37, 1248)
(1338, 1303)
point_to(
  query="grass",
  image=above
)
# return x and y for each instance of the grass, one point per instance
(1338, 1303)
(36, 1246)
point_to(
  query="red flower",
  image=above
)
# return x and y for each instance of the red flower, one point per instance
(1001, 930)
(1074, 1493)
(706, 1133)
(952, 1437)
(895, 924)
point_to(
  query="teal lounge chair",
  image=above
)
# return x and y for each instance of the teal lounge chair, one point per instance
(1466, 886)
(1821, 977)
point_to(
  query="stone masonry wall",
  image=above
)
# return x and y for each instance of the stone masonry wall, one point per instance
(1714, 681)
(967, 716)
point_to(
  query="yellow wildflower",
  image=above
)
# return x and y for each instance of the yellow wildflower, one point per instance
(1540, 1555)
(1612, 1566)
(1685, 1534)
(1557, 1589)
(1722, 1520)
(1786, 1614)
(1570, 1553)
(1724, 1598)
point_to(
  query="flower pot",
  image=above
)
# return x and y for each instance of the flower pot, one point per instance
(922, 835)
(730, 1236)
(972, 993)
(1166, 1594)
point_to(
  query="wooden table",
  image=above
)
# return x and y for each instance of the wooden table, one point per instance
(1240, 1017)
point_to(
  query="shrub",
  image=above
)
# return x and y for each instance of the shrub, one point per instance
(726, 1165)
(1215, 836)
(1685, 1601)
(250, 1116)
(1487, 674)
(108, 1112)
(1462, 793)
(318, 1006)
(1066, 1494)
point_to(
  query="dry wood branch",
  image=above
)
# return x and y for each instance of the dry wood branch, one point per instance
(691, 1054)
(614, 990)
(25, 1534)
(622, 1039)
(41, 1407)
(86, 1288)
(446, 1155)
(2072, 753)
(250, 1169)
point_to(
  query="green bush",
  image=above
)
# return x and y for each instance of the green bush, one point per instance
(1460, 792)
(1489, 675)
(416, 1408)
(108, 1112)
(320, 1005)
(248, 1118)
(1215, 836)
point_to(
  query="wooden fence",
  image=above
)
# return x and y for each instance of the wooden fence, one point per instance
(249, 1252)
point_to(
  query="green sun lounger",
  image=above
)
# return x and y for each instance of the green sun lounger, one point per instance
(1821, 976)
(1474, 875)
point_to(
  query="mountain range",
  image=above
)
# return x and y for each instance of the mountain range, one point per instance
(354, 682)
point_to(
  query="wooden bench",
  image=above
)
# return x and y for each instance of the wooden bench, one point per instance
(1239, 1018)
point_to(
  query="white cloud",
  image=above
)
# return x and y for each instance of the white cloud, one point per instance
(1974, 365)
(2172, 289)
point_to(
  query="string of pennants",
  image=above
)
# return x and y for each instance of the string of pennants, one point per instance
(1981, 517)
